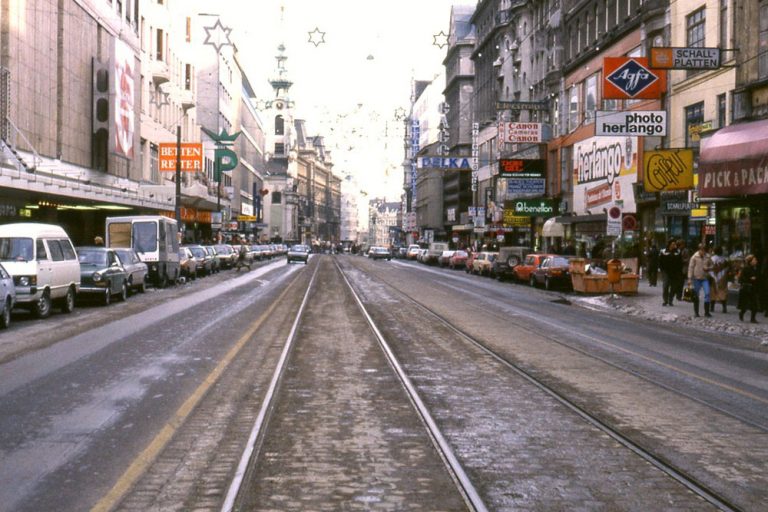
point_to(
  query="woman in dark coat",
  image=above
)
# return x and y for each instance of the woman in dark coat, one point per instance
(748, 293)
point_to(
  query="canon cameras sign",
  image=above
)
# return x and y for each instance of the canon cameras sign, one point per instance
(648, 123)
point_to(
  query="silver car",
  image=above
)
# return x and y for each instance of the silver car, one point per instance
(8, 296)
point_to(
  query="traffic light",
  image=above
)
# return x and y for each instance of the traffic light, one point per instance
(100, 115)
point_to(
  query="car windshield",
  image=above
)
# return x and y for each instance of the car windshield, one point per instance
(460, 254)
(16, 249)
(559, 262)
(198, 252)
(300, 248)
(92, 257)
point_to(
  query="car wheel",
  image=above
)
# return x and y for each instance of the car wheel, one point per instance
(68, 305)
(42, 307)
(108, 297)
(124, 292)
(143, 286)
(164, 281)
(547, 283)
(5, 318)
(532, 281)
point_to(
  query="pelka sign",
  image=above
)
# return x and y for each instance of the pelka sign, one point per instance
(447, 163)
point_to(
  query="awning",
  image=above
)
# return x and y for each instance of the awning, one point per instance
(734, 161)
(577, 219)
(553, 228)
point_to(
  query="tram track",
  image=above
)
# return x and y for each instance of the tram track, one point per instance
(679, 475)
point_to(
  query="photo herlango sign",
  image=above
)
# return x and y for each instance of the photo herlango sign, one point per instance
(604, 171)
(647, 123)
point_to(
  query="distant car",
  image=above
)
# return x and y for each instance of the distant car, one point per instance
(298, 252)
(458, 259)
(509, 257)
(482, 263)
(554, 272)
(204, 260)
(187, 263)
(7, 297)
(444, 258)
(422, 256)
(379, 253)
(101, 274)
(226, 255)
(215, 261)
(412, 252)
(522, 272)
(135, 269)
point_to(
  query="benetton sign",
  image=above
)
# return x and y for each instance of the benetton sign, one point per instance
(647, 123)
(191, 156)
(685, 58)
(519, 168)
(533, 207)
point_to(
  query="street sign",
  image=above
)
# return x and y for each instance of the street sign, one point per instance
(613, 221)
(648, 123)
(685, 58)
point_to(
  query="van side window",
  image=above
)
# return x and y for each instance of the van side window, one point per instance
(41, 254)
(171, 235)
(55, 249)
(67, 249)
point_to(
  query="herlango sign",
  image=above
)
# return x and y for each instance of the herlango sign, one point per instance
(604, 170)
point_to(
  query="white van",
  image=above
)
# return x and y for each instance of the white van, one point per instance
(155, 240)
(44, 266)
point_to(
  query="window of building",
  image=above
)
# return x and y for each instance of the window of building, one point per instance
(565, 170)
(277, 198)
(762, 56)
(723, 22)
(694, 27)
(694, 115)
(188, 77)
(189, 29)
(159, 44)
(279, 148)
(573, 108)
(590, 98)
(153, 163)
(721, 110)
(279, 125)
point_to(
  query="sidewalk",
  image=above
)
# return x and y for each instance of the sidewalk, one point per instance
(647, 304)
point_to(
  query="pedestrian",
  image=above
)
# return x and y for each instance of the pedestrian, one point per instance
(719, 280)
(699, 267)
(98, 241)
(653, 264)
(685, 256)
(748, 291)
(671, 266)
(570, 248)
(242, 258)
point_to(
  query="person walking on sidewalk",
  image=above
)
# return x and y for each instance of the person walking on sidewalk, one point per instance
(719, 280)
(748, 293)
(653, 264)
(671, 266)
(698, 274)
(685, 255)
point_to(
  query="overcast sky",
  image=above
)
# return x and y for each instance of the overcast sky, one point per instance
(348, 87)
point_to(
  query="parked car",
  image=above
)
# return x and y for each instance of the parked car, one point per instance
(204, 260)
(101, 274)
(522, 272)
(215, 261)
(136, 270)
(226, 255)
(188, 263)
(44, 266)
(412, 252)
(298, 252)
(458, 259)
(7, 297)
(422, 256)
(379, 253)
(444, 258)
(554, 272)
(433, 252)
(508, 259)
(482, 263)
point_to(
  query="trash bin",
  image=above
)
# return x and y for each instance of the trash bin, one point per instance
(614, 271)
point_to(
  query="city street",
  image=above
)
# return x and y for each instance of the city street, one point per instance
(270, 389)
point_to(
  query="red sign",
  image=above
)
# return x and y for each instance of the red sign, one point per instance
(631, 78)
(629, 222)
(191, 157)
(518, 168)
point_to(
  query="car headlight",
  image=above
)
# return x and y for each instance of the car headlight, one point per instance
(96, 277)
(24, 281)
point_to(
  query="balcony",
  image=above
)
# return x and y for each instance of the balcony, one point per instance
(161, 73)
(186, 99)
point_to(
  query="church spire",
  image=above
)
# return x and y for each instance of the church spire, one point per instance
(281, 84)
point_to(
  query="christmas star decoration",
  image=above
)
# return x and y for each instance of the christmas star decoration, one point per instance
(399, 113)
(217, 36)
(160, 99)
(440, 39)
(316, 37)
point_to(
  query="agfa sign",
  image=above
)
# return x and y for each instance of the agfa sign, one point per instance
(631, 78)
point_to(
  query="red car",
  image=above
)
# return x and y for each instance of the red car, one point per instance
(522, 272)
(458, 260)
(553, 272)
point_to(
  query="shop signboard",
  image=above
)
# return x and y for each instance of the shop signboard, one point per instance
(520, 132)
(695, 130)
(124, 78)
(631, 78)
(604, 171)
(647, 123)
(445, 163)
(531, 207)
(668, 169)
(519, 168)
(526, 187)
(685, 58)
(510, 220)
(191, 156)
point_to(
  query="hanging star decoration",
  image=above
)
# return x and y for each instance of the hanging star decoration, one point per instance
(316, 37)
(160, 99)
(399, 113)
(440, 39)
(217, 36)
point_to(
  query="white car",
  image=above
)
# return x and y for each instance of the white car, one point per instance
(7, 297)
(298, 253)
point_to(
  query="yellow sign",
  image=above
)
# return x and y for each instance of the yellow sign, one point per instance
(668, 169)
(694, 131)
(510, 220)
(246, 218)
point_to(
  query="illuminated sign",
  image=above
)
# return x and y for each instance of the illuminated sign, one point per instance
(191, 157)
(519, 168)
